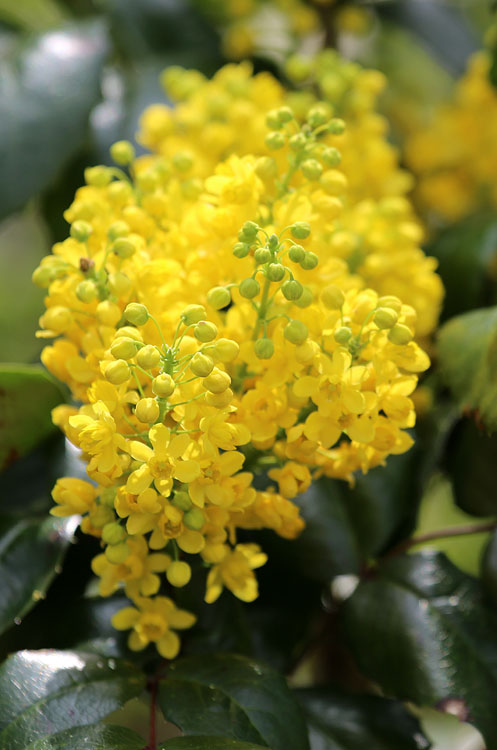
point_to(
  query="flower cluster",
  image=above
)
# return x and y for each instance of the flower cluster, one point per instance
(213, 313)
(456, 157)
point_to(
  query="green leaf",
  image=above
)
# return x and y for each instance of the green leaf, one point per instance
(208, 743)
(48, 88)
(97, 737)
(471, 465)
(35, 15)
(489, 567)
(465, 252)
(467, 349)
(421, 630)
(45, 692)
(30, 555)
(232, 696)
(357, 722)
(27, 396)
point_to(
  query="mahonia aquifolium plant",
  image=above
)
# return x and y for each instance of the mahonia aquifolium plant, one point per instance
(226, 308)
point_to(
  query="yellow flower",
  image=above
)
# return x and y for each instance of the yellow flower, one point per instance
(292, 479)
(73, 496)
(235, 572)
(96, 435)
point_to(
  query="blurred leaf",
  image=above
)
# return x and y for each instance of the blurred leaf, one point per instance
(208, 743)
(23, 242)
(467, 349)
(465, 252)
(357, 722)
(232, 696)
(471, 464)
(45, 692)
(97, 737)
(447, 732)
(34, 15)
(489, 567)
(48, 88)
(30, 555)
(27, 396)
(420, 629)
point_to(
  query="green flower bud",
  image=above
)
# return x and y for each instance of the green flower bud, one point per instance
(193, 314)
(218, 381)
(219, 297)
(117, 229)
(297, 142)
(163, 385)
(292, 290)
(194, 519)
(298, 68)
(81, 230)
(296, 332)
(305, 299)
(272, 120)
(274, 242)
(276, 271)
(182, 161)
(101, 516)
(117, 372)
(300, 230)
(264, 348)
(275, 140)
(117, 553)
(250, 229)
(124, 247)
(225, 350)
(332, 297)
(390, 301)
(296, 253)
(147, 410)
(311, 169)
(309, 261)
(113, 533)
(123, 348)
(336, 126)
(86, 291)
(342, 334)
(331, 156)
(284, 115)
(318, 115)
(119, 284)
(42, 277)
(241, 250)
(178, 573)
(136, 313)
(400, 335)
(266, 168)
(122, 152)
(182, 501)
(205, 331)
(107, 497)
(148, 357)
(262, 255)
(249, 288)
(201, 365)
(98, 176)
(385, 317)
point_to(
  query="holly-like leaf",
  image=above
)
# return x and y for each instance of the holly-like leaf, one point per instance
(45, 692)
(30, 553)
(355, 722)
(208, 743)
(48, 87)
(97, 737)
(471, 464)
(467, 348)
(27, 396)
(227, 695)
(421, 630)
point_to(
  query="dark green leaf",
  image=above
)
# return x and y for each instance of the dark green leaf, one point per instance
(30, 553)
(465, 252)
(471, 464)
(421, 630)
(27, 396)
(45, 692)
(98, 737)
(47, 88)
(357, 722)
(489, 567)
(467, 348)
(208, 743)
(232, 696)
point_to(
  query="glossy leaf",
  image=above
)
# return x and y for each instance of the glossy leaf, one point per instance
(232, 696)
(208, 743)
(27, 396)
(421, 630)
(47, 88)
(30, 553)
(97, 737)
(489, 567)
(471, 464)
(467, 349)
(355, 722)
(45, 692)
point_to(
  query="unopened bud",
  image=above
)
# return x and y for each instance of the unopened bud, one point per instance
(400, 335)
(122, 152)
(148, 357)
(205, 331)
(123, 348)
(296, 332)
(300, 230)
(116, 372)
(292, 290)
(136, 313)
(193, 314)
(86, 291)
(385, 317)
(194, 519)
(201, 365)
(218, 381)
(249, 288)
(264, 348)
(81, 230)
(179, 573)
(147, 410)
(275, 272)
(163, 385)
(218, 297)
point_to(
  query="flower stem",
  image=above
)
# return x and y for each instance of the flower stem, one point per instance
(471, 528)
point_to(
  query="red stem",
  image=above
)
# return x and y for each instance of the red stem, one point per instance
(475, 528)
(152, 686)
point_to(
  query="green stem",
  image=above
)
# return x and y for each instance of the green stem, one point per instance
(261, 314)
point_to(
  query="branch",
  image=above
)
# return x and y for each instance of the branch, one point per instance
(474, 528)
(152, 687)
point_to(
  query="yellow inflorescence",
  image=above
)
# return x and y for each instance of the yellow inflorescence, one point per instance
(226, 308)
(456, 156)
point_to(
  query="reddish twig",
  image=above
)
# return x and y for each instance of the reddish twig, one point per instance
(474, 528)
(152, 687)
